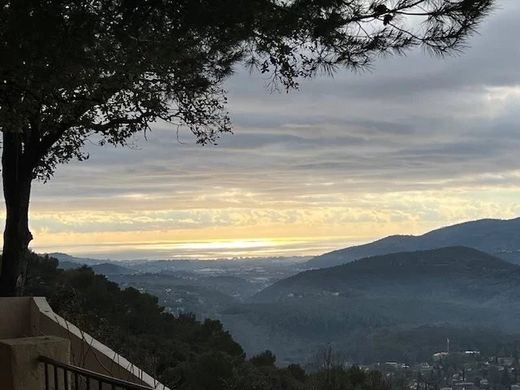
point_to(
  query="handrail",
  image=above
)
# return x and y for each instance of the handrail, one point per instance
(101, 378)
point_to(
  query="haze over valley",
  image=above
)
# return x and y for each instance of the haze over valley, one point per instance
(397, 298)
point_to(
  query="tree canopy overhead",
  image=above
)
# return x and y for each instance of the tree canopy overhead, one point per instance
(70, 70)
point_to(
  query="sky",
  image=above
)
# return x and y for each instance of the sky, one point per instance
(416, 143)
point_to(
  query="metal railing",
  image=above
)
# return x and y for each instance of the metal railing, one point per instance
(62, 376)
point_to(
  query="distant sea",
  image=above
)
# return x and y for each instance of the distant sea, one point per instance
(218, 249)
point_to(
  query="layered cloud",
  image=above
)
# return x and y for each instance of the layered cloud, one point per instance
(415, 143)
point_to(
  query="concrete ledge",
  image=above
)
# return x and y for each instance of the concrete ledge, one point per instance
(20, 368)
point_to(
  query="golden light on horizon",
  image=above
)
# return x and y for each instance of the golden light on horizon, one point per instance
(308, 226)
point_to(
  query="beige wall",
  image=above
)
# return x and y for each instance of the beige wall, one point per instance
(14, 313)
(20, 368)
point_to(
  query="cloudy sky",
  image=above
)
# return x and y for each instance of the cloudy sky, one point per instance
(414, 144)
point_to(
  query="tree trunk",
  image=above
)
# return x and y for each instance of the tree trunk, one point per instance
(17, 178)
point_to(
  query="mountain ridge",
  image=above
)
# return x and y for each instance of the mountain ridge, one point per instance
(498, 237)
(449, 289)
(449, 262)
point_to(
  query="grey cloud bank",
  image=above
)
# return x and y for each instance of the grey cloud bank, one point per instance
(410, 124)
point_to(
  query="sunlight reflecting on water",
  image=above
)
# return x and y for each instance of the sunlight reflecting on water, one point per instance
(213, 249)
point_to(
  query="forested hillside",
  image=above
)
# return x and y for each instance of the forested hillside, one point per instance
(180, 351)
(370, 308)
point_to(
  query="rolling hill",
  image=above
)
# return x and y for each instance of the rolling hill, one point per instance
(365, 307)
(101, 268)
(500, 238)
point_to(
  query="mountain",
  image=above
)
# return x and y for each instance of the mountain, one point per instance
(453, 268)
(111, 269)
(366, 307)
(69, 260)
(101, 268)
(497, 237)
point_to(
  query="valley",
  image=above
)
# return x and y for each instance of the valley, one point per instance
(396, 306)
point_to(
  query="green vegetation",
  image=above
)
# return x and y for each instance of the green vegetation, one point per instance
(400, 306)
(180, 351)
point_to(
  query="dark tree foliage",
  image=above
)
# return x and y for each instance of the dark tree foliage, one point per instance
(107, 69)
(264, 359)
(171, 348)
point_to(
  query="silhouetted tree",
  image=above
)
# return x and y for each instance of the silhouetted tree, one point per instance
(264, 359)
(71, 70)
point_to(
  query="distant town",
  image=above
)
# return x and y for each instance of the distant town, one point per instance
(460, 370)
